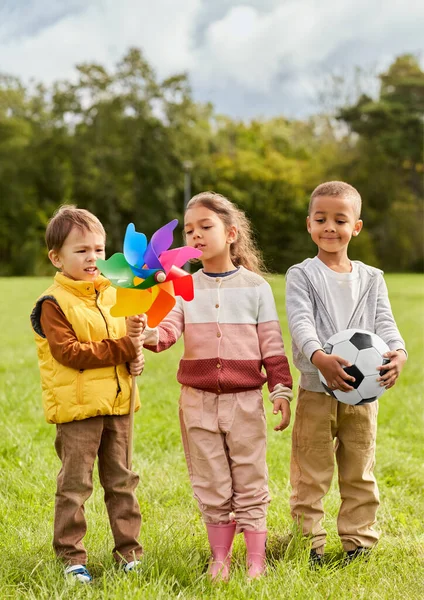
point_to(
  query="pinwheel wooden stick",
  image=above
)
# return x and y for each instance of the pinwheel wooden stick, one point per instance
(131, 422)
(147, 278)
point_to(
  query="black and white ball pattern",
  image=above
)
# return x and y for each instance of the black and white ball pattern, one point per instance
(364, 350)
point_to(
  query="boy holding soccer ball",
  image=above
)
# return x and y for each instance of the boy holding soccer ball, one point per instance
(327, 294)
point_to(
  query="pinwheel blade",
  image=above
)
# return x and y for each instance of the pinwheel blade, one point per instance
(117, 270)
(135, 245)
(176, 273)
(133, 302)
(183, 286)
(178, 257)
(163, 304)
(143, 273)
(161, 240)
(144, 284)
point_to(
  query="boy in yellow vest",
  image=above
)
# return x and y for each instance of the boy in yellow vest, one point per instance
(86, 360)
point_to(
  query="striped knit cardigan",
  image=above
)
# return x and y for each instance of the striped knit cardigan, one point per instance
(231, 330)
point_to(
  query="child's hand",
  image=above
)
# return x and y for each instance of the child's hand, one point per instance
(136, 325)
(137, 365)
(137, 342)
(392, 369)
(330, 366)
(283, 405)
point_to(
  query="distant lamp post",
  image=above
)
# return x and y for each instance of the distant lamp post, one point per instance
(187, 166)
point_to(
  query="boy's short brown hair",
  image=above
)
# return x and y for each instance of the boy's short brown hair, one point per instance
(67, 217)
(341, 189)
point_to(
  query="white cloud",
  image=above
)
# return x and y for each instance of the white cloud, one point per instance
(252, 48)
(19, 18)
(103, 33)
(257, 56)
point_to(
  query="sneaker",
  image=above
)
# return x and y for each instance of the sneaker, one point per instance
(131, 566)
(360, 551)
(78, 573)
(316, 559)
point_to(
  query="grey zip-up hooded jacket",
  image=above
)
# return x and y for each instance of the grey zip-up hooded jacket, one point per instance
(311, 324)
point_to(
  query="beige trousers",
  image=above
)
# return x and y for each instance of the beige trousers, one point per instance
(320, 421)
(224, 438)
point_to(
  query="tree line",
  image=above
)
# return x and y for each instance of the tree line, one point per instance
(118, 143)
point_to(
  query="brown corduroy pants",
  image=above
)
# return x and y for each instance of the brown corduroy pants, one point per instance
(224, 438)
(323, 428)
(77, 445)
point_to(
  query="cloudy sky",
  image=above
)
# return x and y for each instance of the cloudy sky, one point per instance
(249, 57)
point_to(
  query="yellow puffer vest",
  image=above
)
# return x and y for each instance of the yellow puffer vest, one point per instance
(69, 394)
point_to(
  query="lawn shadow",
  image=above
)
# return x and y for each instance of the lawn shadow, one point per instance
(277, 546)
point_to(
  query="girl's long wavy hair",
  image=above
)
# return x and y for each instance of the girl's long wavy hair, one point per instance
(243, 251)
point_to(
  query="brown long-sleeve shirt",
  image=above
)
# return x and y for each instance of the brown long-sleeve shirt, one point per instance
(70, 352)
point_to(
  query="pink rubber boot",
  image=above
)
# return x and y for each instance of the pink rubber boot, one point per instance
(221, 536)
(255, 544)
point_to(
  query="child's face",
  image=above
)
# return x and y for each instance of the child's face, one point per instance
(332, 223)
(77, 257)
(206, 231)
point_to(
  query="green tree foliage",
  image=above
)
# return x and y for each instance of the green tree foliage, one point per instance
(266, 168)
(386, 163)
(116, 142)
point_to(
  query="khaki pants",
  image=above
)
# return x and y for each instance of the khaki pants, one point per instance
(224, 438)
(77, 445)
(320, 419)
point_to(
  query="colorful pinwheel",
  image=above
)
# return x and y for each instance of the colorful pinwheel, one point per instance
(149, 276)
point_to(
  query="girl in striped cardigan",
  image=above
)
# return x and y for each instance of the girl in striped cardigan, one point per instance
(231, 331)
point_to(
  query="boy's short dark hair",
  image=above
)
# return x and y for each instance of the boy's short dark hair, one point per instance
(67, 217)
(341, 189)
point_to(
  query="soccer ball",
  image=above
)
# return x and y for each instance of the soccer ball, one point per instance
(364, 350)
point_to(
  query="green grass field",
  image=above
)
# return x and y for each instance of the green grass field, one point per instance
(176, 550)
